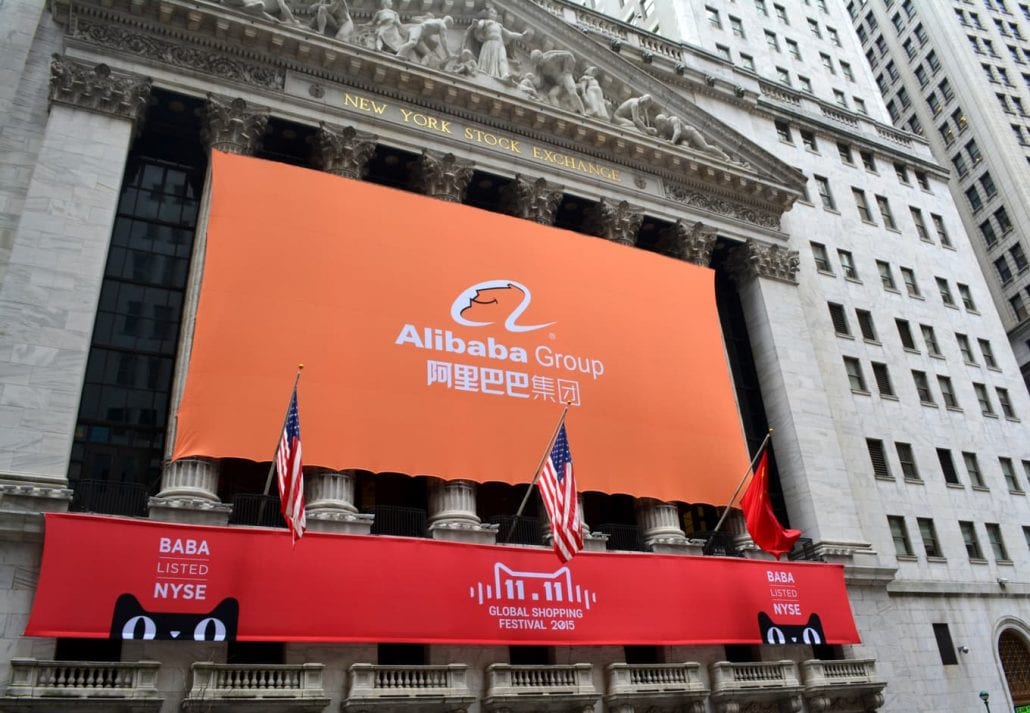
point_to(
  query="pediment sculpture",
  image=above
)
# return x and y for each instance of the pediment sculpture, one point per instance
(494, 55)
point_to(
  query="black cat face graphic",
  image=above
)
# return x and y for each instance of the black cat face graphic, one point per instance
(772, 633)
(132, 621)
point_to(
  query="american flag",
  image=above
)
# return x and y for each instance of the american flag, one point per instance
(291, 472)
(558, 491)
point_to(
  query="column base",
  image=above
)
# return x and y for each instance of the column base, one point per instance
(464, 531)
(675, 545)
(340, 522)
(592, 541)
(190, 511)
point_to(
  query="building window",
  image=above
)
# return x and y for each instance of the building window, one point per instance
(885, 212)
(865, 325)
(947, 466)
(947, 392)
(988, 353)
(976, 478)
(860, 106)
(973, 196)
(781, 14)
(1002, 217)
(928, 533)
(899, 533)
(886, 276)
(783, 76)
(878, 458)
(911, 285)
(996, 542)
(808, 140)
(793, 50)
(855, 377)
(1018, 307)
(905, 333)
(839, 319)
(985, 400)
(822, 259)
(805, 83)
(971, 541)
(827, 62)
(917, 219)
(930, 338)
(737, 27)
(1005, 403)
(923, 387)
(761, 7)
(990, 237)
(847, 264)
(846, 70)
(825, 195)
(840, 98)
(862, 204)
(1004, 272)
(966, 296)
(834, 36)
(907, 459)
(772, 41)
(946, 296)
(922, 180)
(965, 347)
(883, 379)
(1018, 258)
(844, 151)
(901, 171)
(713, 17)
(945, 647)
(747, 61)
(813, 27)
(724, 52)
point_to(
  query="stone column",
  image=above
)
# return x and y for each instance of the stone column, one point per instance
(530, 199)
(660, 528)
(49, 292)
(616, 221)
(691, 242)
(452, 513)
(440, 175)
(330, 502)
(812, 460)
(344, 151)
(232, 126)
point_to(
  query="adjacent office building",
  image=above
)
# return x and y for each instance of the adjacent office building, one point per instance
(855, 321)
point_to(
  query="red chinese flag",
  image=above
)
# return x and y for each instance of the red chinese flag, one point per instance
(762, 524)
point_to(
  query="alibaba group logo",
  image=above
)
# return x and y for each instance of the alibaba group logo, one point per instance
(493, 301)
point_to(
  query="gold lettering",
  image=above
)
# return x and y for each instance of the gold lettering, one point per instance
(515, 146)
(378, 108)
(445, 126)
(406, 114)
(348, 100)
(468, 134)
(536, 152)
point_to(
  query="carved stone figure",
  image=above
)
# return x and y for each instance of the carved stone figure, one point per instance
(275, 10)
(589, 88)
(553, 70)
(635, 114)
(386, 23)
(488, 39)
(427, 39)
(334, 16)
(528, 85)
(677, 131)
(466, 64)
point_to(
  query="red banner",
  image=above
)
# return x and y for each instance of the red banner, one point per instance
(136, 579)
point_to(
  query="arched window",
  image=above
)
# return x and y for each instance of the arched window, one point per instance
(1015, 660)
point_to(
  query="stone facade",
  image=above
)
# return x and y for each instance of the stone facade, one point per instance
(736, 196)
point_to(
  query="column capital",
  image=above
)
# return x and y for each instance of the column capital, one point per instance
(691, 242)
(452, 513)
(343, 150)
(94, 87)
(441, 175)
(756, 259)
(330, 506)
(617, 221)
(533, 199)
(232, 125)
(189, 493)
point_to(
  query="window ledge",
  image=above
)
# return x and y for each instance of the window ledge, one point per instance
(895, 290)
(860, 392)
(831, 210)
(876, 343)
(937, 356)
(916, 296)
(989, 415)
(936, 558)
(956, 486)
(1017, 492)
(929, 404)
(951, 306)
(892, 230)
(914, 481)
(853, 279)
(977, 560)
(907, 558)
(956, 409)
(825, 272)
(890, 397)
(869, 222)
(887, 478)
(981, 488)
(844, 335)
(912, 350)
(1005, 563)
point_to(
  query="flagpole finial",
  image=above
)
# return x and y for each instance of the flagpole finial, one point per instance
(301, 366)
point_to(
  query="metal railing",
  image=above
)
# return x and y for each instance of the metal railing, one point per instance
(257, 510)
(718, 544)
(804, 549)
(110, 498)
(527, 531)
(622, 537)
(401, 521)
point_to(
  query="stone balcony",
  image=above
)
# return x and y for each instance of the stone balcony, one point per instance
(224, 687)
(677, 686)
(128, 687)
(772, 685)
(540, 688)
(386, 689)
(842, 685)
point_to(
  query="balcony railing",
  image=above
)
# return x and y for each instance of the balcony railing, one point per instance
(719, 544)
(733, 677)
(646, 686)
(804, 549)
(854, 679)
(110, 498)
(527, 531)
(428, 687)
(256, 510)
(401, 521)
(535, 688)
(221, 687)
(622, 537)
(66, 684)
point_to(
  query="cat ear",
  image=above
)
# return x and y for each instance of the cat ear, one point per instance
(125, 608)
(764, 622)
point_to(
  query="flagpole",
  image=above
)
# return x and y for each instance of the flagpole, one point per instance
(271, 468)
(536, 475)
(736, 492)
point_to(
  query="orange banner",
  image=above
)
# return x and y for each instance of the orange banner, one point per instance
(441, 340)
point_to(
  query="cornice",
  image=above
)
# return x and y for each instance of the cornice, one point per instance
(235, 47)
